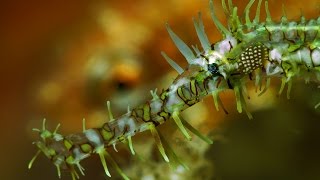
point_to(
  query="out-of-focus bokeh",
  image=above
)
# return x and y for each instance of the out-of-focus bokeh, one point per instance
(62, 60)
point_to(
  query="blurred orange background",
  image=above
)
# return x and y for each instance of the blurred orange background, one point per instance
(62, 60)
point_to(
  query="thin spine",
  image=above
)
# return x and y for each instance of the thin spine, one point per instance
(196, 132)
(245, 92)
(81, 169)
(238, 98)
(109, 111)
(172, 63)
(247, 13)
(217, 23)
(196, 49)
(131, 146)
(257, 17)
(157, 139)
(244, 105)
(177, 120)
(225, 9)
(284, 18)
(182, 46)
(116, 166)
(101, 153)
(283, 83)
(258, 81)
(58, 171)
(268, 81)
(74, 173)
(230, 4)
(217, 101)
(268, 18)
(56, 129)
(198, 24)
(215, 96)
(173, 156)
(33, 159)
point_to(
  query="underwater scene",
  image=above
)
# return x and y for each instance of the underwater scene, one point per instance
(65, 60)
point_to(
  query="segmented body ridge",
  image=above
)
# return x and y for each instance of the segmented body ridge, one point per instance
(250, 50)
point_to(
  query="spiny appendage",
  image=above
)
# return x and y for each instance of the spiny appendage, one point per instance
(67, 152)
(163, 147)
(236, 24)
(295, 49)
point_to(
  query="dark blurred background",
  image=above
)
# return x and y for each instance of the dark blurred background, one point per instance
(62, 60)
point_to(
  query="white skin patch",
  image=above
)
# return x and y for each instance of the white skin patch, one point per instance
(226, 45)
(306, 57)
(79, 155)
(176, 85)
(220, 49)
(173, 98)
(199, 61)
(126, 121)
(93, 137)
(155, 106)
(316, 57)
(215, 57)
(275, 54)
(273, 69)
(57, 137)
(131, 123)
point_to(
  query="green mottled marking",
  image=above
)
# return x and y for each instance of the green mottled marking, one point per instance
(86, 148)
(68, 144)
(146, 112)
(138, 112)
(180, 94)
(106, 135)
(70, 159)
(165, 115)
(294, 47)
(193, 87)
(52, 152)
(163, 95)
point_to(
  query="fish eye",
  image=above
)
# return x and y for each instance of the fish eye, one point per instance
(213, 68)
